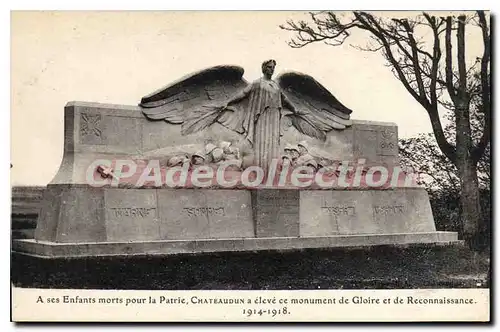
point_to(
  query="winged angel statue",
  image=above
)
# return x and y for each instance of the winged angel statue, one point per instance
(254, 110)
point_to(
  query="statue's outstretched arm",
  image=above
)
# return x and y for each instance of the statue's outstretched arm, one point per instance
(242, 94)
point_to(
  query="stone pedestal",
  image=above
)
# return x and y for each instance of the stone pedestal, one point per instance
(77, 219)
(110, 221)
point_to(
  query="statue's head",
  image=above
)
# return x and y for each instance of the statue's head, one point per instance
(294, 152)
(303, 148)
(268, 67)
(198, 158)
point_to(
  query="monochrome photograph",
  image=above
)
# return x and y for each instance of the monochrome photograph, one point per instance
(250, 165)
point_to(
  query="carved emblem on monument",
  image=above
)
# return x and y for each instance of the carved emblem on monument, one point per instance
(388, 142)
(90, 128)
(253, 110)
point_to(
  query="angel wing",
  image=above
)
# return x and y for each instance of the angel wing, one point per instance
(193, 100)
(318, 110)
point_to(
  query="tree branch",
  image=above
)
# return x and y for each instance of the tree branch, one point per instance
(448, 149)
(485, 89)
(462, 71)
(436, 57)
(416, 65)
(367, 20)
(448, 56)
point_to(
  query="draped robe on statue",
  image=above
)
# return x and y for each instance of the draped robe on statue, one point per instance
(259, 119)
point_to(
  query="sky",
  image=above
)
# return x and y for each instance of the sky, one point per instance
(119, 57)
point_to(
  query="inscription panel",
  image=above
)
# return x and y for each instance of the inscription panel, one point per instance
(131, 214)
(389, 209)
(204, 214)
(276, 212)
(339, 210)
(334, 213)
(203, 211)
(178, 217)
(402, 211)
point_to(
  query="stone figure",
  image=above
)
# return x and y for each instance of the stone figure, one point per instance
(305, 157)
(286, 158)
(217, 155)
(178, 160)
(209, 148)
(265, 102)
(312, 163)
(198, 158)
(324, 163)
(254, 110)
(232, 154)
(294, 154)
(211, 154)
(224, 145)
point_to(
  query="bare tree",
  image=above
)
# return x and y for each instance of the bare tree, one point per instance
(420, 52)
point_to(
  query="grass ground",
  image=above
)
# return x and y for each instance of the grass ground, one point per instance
(380, 267)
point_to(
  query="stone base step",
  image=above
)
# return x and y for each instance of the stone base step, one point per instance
(134, 248)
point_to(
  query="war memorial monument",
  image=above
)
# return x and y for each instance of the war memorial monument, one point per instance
(213, 163)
